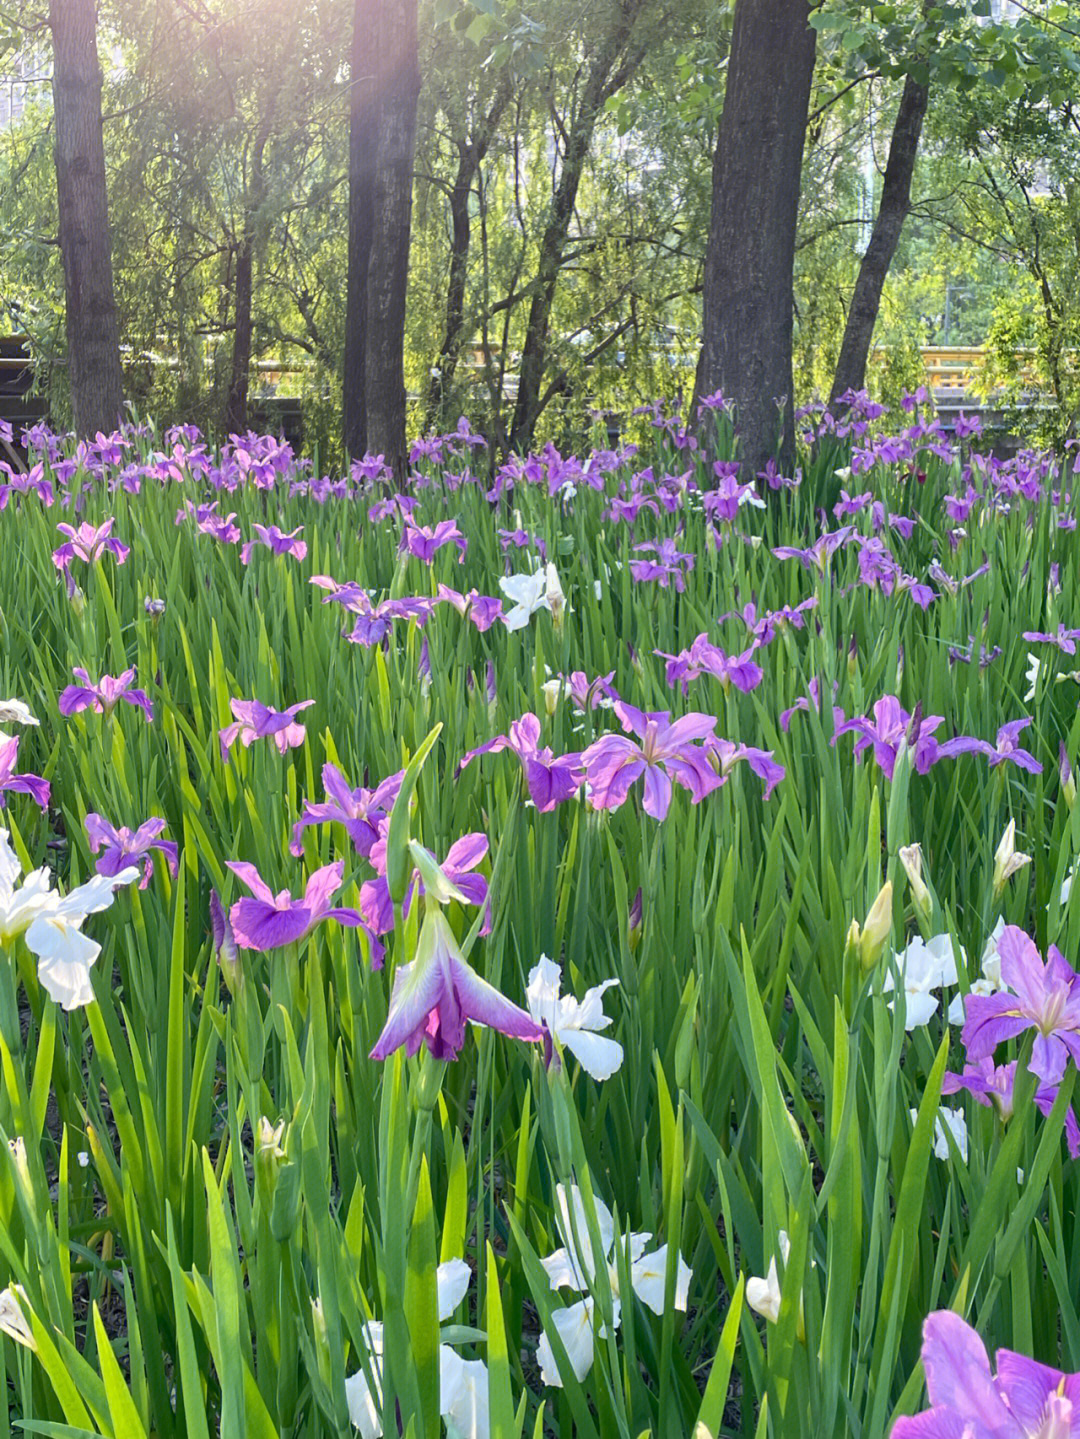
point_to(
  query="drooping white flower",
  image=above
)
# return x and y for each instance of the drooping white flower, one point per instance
(763, 1295)
(1032, 676)
(575, 1266)
(954, 1121)
(13, 711)
(65, 955)
(13, 1321)
(574, 1024)
(529, 593)
(462, 1383)
(924, 966)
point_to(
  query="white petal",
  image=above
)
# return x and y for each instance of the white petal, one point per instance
(598, 1056)
(96, 894)
(590, 1012)
(921, 1008)
(562, 1272)
(452, 1281)
(467, 1408)
(15, 712)
(604, 1221)
(542, 991)
(10, 869)
(943, 956)
(64, 959)
(648, 1276)
(363, 1408)
(763, 1295)
(574, 1327)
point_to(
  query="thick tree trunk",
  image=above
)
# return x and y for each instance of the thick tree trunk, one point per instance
(235, 417)
(388, 271)
(93, 334)
(892, 212)
(610, 69)
(363, 60)
(748, 300)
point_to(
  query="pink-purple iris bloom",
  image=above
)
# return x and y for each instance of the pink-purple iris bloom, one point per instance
(123, 847)
(661, 752)
(482, 610)
(760, 761)
(253, 720)
(89, 543)
(12, 783)
(424, 541)
(1005, 747)
(461, 860)
(1063, 638)
(1044, 997)
(669, 565)
(270, 920)
(992, 1085)
(1024, 1400)
(890, 726)
(276, 541)
(436, 995)
(550, 779)
(103, 695)
(705, 658)
(360, 811)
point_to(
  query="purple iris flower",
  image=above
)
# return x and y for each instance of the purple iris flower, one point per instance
(359, 810)
(461, 859)
(1004, 747)
(670, 565)
(1044, 997)
(819, 553)
(482, 610)
(254, 720)
(350, 596)
(892, 724)
(33, 481)
(588, 694)
(759, 760)
(123, 847)
(271, 920)
(1025, 1400)
(12, 783)
(438, 993)
(550, 780)
(765, 629)
(1063, 638)
(89, 544)
(990, 1085)
(666, 752)
(275, 540)
(424, 540)
(103, 695)
(703, 657)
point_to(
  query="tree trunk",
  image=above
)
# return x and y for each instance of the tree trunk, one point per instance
(93, 333)
(388, 270)
(363, 58)
(236, 400)
(748, 301)
(609, 71)
(892, 212)
(471, 153)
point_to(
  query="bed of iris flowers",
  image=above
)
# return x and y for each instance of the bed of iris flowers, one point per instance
(579, 945)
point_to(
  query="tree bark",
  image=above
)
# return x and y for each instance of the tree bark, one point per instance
(610, 69)
(363, 138)
(748, 300)
(471, 154)
(388, 269)
(893, 210)
(93, 332)
(235, 416)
